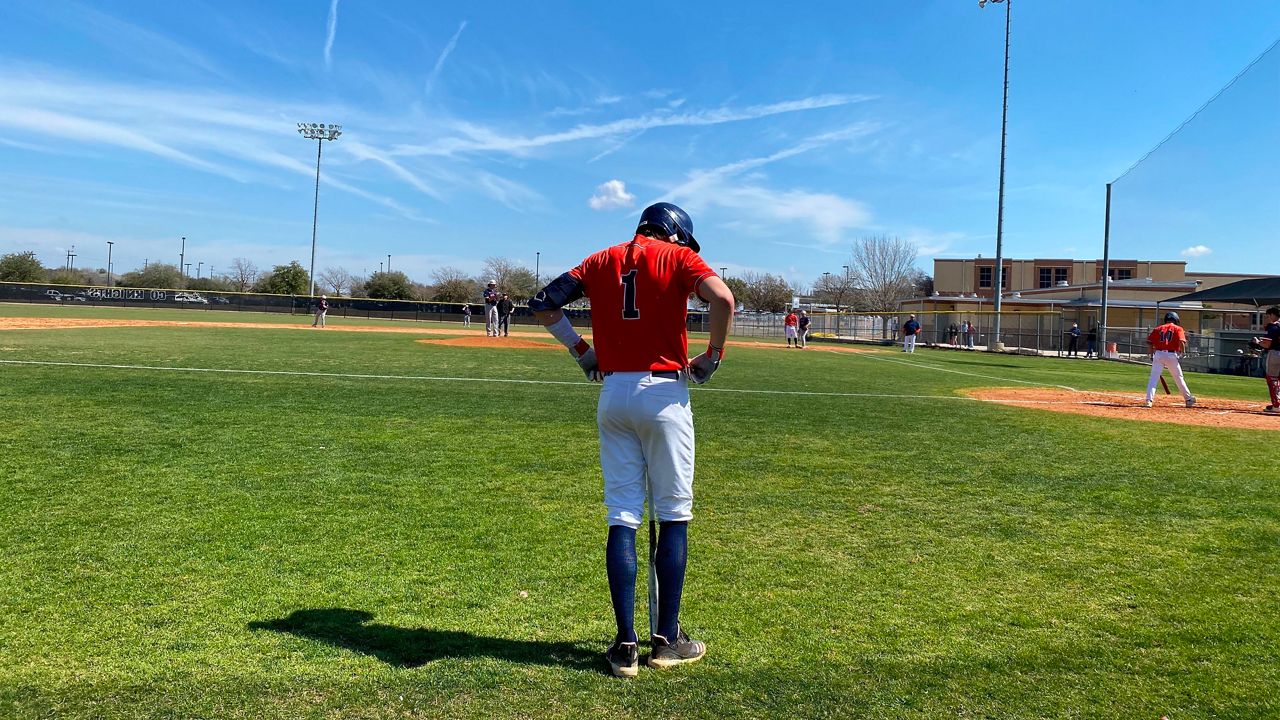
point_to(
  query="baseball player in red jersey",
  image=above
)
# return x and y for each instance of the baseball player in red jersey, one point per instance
(638, 292)
(1166, 342)
(791, 326)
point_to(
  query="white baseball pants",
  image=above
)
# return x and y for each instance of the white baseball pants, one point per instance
(909, 343)
(646, 430)
(1161, 360)
(491, 319)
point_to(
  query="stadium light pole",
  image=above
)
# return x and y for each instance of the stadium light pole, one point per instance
(199, 267)
(109, 244)
(318, 132)
(182, 255)
(537, 268)
(188, 272)
(998, 275)
(388, 262)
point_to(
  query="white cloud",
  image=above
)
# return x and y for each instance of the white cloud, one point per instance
(332, 33)
(472, 138)
(610, 195)
(1196, 251)
(444, 55)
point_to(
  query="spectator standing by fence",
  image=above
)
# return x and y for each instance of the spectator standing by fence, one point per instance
(969, 331)
(322, 309)
(910, 329)
(1073, 339)
(1091, 342)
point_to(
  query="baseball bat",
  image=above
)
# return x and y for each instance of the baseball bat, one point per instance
(653, 557)
(1164, 385)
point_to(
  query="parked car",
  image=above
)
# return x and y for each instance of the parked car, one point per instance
(55, 295)
(220, 300)
(184, 297)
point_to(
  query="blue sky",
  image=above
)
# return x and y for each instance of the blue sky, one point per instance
(507, 129)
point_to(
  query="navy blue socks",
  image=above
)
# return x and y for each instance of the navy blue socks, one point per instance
(620, 560)
(673, 554)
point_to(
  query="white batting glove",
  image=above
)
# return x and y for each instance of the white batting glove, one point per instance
(705, 365)
(587, 361)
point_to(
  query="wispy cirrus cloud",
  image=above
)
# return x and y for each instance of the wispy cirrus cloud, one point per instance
(737, 187)
(331, 33)
(444, 55)
(471, 138)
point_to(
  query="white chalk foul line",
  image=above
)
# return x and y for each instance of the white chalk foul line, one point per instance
(442, 378)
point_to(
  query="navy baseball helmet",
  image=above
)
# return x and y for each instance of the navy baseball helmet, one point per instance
(1172, 317)
(671, 221)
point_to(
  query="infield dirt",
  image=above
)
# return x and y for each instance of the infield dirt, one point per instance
(1209, 412)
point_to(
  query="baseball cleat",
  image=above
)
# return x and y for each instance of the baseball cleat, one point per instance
(1191, 401)
(1146, 403)
(624, 659)
(1271, 409)
(666, 653)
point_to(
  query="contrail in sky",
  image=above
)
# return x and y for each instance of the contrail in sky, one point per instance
(444, 55)
(333, 30)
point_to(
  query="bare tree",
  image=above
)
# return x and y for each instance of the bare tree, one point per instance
(337, 279)
(243, 274)
(512, 277)
(766, 293)
(835, 289)
(453, 285)
(884, 271)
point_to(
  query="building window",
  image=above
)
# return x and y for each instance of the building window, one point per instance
(1046, 277)
(984, 277)
(1059, 275)
(1121, 273)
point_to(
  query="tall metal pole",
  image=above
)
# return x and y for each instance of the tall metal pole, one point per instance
(537, 269)
(109, 244)
(199, 267)
(388, 262)
(1106, 274)
(315, 218)
(1004, 125)
(182, 255)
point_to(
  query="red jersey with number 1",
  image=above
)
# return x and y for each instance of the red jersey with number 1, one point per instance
(639, 294)
(1168, 337)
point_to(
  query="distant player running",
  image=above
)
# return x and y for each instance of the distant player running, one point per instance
(1166, 342)
(638, 293)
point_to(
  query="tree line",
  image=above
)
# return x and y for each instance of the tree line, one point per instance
(880, 272)
(447, 284)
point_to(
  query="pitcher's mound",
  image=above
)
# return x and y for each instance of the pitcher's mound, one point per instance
(503, 343)
(1212, 412)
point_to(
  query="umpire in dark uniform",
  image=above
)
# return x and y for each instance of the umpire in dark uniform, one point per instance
(506, 309)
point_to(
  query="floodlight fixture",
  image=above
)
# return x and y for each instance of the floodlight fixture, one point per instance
(318, 132)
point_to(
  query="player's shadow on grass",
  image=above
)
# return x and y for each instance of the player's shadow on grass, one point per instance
(413, 647)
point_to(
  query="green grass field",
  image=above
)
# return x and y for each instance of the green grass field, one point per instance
(246, 545)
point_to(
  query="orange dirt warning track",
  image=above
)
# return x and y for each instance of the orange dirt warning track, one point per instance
(1209, 412)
